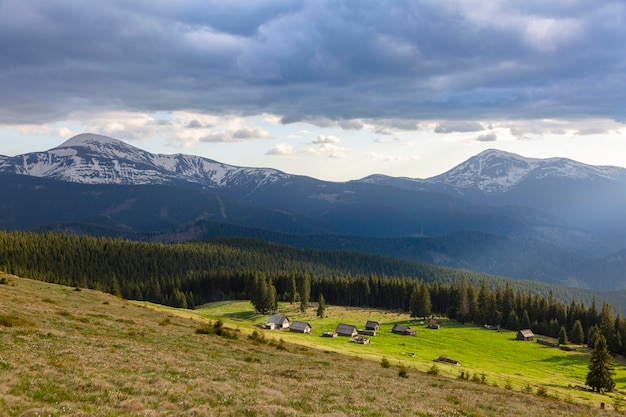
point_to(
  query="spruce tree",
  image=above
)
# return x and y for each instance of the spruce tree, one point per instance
(577, 335)
(321, 306)
(600, 376)
(562, 336)
(304, 289)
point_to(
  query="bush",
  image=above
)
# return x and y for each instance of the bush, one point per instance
(384, 362)
(217, 329)
(507, 384)
(542, 391)
(403, 372)
(257, 337)
(434, 370)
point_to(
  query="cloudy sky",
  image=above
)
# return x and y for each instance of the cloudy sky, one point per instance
(332, 89)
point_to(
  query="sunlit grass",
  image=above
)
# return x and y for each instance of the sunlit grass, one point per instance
(88, 353)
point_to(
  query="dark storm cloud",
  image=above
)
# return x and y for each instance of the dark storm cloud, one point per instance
(489, 137)
(314, 60)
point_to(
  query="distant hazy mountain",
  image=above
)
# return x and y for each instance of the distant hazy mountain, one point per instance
(551, 219)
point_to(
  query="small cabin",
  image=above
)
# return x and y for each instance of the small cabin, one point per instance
(329, 334)
(277, 322)
(433, 324)
(300, 327)
(403, 330)
(372, 325)
(360, 340)
(346, 330)
(525, 334)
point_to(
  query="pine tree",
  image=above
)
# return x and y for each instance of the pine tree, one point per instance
(577, 335)
(304, 289)
(600, 376)
(321, 306)
(562, 336)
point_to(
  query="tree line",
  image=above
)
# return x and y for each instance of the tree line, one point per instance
(190, 274)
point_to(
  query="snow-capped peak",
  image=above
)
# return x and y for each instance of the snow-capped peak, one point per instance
(95, 159)
(497, 171)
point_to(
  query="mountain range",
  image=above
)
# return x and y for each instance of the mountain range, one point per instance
(554, 220)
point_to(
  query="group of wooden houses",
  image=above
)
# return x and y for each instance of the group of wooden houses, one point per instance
(282, 322)
(277, 322)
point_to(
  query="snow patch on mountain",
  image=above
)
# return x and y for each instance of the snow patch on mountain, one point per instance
(96, 159)
(494, 171)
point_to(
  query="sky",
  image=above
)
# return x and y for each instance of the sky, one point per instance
(336, 90)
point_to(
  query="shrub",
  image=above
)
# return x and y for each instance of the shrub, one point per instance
(403, 372)
(384, 362)
(507, 384)
(434, 370)
(217, 329)
(257, 337)
(165, 322)
(8, 320)
(528, 388)
(542, 391)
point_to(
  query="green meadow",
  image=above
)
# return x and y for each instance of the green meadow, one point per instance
(493, 356)
(76, 352)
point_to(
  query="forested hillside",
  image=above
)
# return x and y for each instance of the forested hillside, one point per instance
(189, 274)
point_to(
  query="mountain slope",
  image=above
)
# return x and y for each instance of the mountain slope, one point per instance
(554, 219)
(96, 159)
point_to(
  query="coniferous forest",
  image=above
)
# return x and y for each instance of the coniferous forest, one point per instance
(189, 274)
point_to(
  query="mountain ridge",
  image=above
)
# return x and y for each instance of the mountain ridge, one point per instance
(495, 213)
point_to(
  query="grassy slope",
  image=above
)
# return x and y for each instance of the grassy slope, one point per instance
(77, 353)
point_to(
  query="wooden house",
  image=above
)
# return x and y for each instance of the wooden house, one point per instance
(346, 330)
(525, 334)
(433, 324)
(277, 322)
(329, 334)
(372, 325)
(300, 327)
(360, 340)
(403, 330)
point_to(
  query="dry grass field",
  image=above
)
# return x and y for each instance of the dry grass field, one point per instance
(68, 352)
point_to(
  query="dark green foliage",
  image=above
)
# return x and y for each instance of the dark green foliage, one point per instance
(562, 336)
(384, 362)
(433, 370)
(321, 306)
(577, 335)
(217, 328)
(190, 274)
(258, 337)
(304, 291)
(592, 336)
(263, 294)
(420, 304)
(600, 376)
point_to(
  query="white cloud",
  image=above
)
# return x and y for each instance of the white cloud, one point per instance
(325, 139)
(330, 150)
(280, 149)
(384, 157)
(394, 141)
